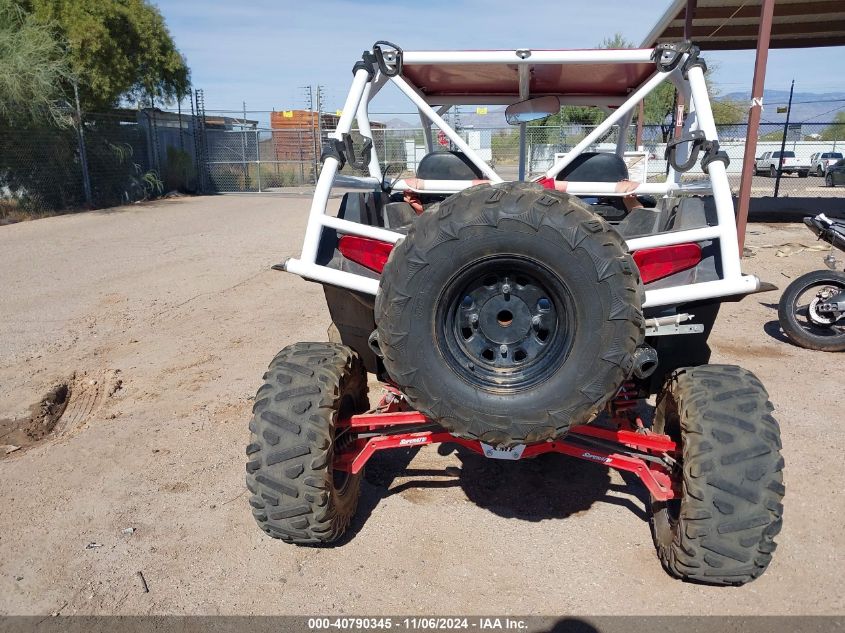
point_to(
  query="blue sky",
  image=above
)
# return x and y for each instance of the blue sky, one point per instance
(262, 51)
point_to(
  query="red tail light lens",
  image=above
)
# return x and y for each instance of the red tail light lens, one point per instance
(657, 263)
(368, 252)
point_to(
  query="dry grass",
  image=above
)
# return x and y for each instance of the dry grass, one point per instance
(11, 212)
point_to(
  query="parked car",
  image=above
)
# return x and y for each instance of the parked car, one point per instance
(820, 161)
(835, 174)
(768, 164)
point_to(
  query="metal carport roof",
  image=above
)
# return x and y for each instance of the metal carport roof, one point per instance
(734, 24)
(751, 25)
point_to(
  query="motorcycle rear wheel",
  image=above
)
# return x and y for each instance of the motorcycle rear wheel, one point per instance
(800, 319)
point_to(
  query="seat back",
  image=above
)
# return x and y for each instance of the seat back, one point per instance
(599, 167)
(595, 167)
(448, 166)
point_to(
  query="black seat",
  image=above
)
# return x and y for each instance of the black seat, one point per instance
(599, 167)
(448, 166)
(595, 167)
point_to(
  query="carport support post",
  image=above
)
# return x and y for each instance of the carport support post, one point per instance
(763, 38)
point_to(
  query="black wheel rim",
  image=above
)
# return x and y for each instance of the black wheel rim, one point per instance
(810, 315)
(505, 323)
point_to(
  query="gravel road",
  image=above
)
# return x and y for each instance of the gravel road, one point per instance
(160, 319)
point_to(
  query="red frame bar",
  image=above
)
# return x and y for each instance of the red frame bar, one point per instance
(656, 478)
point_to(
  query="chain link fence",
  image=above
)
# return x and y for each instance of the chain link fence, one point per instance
(105, 160)
(124, 156)
(815, 146)
(247, 159)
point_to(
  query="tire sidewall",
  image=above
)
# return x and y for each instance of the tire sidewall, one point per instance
(787, 305)
(665, 522)
(588, 298)
(510, 221)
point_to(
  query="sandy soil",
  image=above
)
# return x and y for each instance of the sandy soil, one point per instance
(161, 318)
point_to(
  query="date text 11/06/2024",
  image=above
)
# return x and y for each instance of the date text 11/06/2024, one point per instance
(418, 623)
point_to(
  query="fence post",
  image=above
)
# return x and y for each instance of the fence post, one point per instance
(83, 155)
(258, 159)
(783, 140)
(299, 142)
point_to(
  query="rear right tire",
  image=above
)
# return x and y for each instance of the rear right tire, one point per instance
(721, 530)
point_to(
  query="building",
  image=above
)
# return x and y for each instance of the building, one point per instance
(296, 133)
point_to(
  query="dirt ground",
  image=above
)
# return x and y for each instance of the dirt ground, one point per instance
(160, 319)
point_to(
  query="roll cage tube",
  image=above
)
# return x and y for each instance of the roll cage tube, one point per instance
(688, 79)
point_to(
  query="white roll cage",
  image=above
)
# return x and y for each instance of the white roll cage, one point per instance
(690, 84)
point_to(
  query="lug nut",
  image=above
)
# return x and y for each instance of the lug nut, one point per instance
(506, 289)
(503, 349)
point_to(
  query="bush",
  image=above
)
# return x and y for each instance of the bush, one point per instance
(180, 173)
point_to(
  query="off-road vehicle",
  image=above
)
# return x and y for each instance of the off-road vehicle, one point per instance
(515, 318)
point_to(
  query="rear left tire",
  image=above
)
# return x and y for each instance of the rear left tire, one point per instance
(297, 496)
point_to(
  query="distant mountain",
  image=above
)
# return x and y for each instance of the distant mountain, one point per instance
(495, 117)
(810, 107)
(397, 123)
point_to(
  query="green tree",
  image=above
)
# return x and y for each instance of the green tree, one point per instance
(32, 69)
(835, 132)
(777, 135)
(658, 107)
(616, 41)
(118, 49)
(660, 103)
(727, 111)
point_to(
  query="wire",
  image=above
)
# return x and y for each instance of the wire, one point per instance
(823, 113)
(718, 28)
(799, 102)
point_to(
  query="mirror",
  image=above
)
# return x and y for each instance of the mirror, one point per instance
(531, 110)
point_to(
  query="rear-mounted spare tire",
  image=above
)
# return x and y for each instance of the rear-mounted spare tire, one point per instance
(509, 313)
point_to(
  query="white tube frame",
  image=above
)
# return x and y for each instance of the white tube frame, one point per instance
(700, 117)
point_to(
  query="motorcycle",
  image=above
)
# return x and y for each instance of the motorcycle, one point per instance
(811, 311)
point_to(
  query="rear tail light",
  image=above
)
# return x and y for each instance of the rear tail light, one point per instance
(366, 251)
(657, 263)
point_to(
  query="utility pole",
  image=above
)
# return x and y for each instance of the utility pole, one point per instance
(314, 98)
(309, 100)
(783, 140)
(319, 141)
